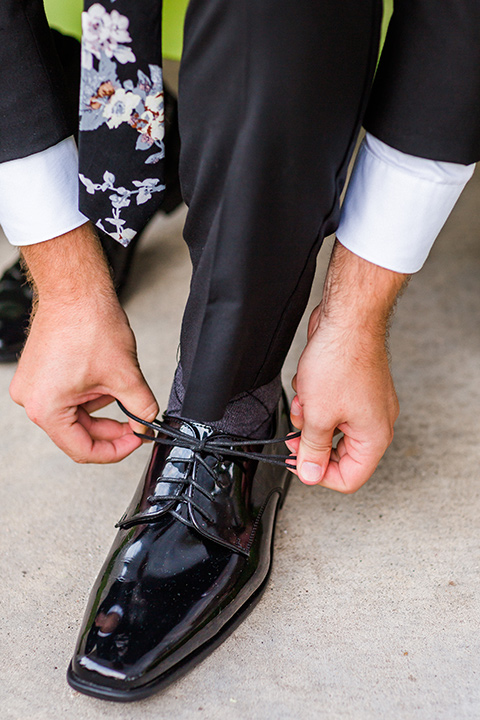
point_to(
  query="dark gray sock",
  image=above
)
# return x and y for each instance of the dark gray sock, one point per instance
(247, 414)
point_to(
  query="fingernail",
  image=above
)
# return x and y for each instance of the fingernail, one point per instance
(311, 472)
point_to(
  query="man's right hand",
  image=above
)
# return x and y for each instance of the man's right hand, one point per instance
(80, 354)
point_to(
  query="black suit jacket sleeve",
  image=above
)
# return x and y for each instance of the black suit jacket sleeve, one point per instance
(34, 109)
(426, 95)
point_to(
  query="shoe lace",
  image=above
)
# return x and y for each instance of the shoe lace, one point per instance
(219, 447)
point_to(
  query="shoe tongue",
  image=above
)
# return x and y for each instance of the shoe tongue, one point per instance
(175, 466)
(194, 429)
(216, 504)
(162, 480)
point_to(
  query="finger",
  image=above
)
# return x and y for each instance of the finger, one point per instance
(334, 456)
(97, 404)
(108, 429)
(352, 464)
(313, 322)
(102, 428)
(296, 413)
(314, 451)
(140, 401)
(292, 444)
(347, 474)
(75, 440)
(341, 448)
(113, 451)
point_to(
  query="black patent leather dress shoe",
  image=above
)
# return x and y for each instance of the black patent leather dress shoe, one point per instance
(15, 308)
(191, 559)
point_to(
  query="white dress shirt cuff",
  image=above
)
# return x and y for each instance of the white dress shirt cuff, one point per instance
(396, 204)
(39, 195)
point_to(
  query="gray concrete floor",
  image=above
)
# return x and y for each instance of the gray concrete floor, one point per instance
(373, 607)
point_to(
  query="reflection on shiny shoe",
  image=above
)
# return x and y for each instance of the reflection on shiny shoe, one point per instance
(191, 559)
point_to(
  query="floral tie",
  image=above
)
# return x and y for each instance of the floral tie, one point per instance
(121, 115)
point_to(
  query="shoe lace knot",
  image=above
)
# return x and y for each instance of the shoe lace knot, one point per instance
(221, 447)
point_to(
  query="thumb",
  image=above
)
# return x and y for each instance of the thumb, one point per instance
(313, 454)
(139, 400)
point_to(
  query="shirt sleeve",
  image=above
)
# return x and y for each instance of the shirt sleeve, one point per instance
(396, 204)
(39, 195)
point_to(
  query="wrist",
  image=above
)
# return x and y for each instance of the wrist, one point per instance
(358, 296)
(70, 268)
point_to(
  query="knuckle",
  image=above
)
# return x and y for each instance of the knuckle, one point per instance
(351, 487)
(35, 413)
(79, 459)
(387, 436)
(15, 392)
(349, 490)
(15, 396)
(151, 411)
(382, 438)
(394, 408)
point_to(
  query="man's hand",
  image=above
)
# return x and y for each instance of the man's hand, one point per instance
(343, 380)
(80, 353)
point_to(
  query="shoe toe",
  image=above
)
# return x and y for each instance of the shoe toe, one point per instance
(146, 617)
